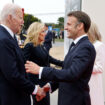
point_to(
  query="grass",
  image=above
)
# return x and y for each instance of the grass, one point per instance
(59, 40)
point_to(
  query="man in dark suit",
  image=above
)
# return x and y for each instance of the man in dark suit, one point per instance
(53, 38)
(48, 39)
(72, 80)
(15, 88)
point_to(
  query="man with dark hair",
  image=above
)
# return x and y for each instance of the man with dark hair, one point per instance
(81, 19)
(48, 39)
(72, 80)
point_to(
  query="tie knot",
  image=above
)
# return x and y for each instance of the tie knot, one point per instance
(72, 44)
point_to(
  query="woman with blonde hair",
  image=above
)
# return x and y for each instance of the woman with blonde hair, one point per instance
(96, 86)
(33, 32)
(36, 52)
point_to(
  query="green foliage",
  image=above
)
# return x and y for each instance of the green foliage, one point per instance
(28, 19)
(61, 22)
(59, 40)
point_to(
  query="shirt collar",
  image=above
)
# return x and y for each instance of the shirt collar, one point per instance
(77, 39)
(8, 29)
(46, 31)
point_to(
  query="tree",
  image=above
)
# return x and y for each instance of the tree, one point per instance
(28, 19)
(61, 22)
(59, 25)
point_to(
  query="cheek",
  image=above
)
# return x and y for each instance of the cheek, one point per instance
(18, 22)
(40, 37)
(43, 37)
(16, 25)
(69, 28)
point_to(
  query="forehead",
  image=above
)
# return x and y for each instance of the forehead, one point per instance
(71, 19)
(19, 11)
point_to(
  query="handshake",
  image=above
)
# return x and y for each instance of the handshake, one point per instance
(34, 69)
(41, 92)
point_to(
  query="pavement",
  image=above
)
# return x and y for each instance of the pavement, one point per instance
(57, 51)
(56, 44)
(54, 98)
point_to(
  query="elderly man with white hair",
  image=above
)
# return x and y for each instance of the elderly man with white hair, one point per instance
(15, 88)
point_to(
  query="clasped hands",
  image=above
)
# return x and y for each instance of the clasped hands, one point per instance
(34, 69)
(41, 93)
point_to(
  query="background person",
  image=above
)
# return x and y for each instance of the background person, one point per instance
(36, 52)
(95, 83)
(53, 38)
(48, 39)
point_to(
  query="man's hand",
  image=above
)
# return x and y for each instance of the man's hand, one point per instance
(46, 87)
(32, 67)
(40, 94)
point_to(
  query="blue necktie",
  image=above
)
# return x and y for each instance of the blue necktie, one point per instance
(72, 45)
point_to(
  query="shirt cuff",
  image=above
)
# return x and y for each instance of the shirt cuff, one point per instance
(40, 72)
(50, 87)
(35, 90)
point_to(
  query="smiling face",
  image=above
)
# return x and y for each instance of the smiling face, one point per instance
(16, 21)
(72, 27)
(42, 35)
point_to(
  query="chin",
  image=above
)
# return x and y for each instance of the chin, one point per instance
(68, 36)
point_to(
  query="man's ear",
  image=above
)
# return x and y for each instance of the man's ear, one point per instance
(9, 18)
(80, 26)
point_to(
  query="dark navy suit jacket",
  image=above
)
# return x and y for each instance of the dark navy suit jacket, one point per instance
(48, 40)
(15, 88)
(40, 56)
(74, 77)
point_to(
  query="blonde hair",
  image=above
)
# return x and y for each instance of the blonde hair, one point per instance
(93, 33)
(33, 33)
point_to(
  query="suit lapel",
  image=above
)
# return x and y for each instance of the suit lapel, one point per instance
(76, 45)
(7, 34)
(71, 53)
(82, 39)
(13, 42)
(44, 49)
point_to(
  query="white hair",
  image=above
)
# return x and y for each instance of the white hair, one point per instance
(9, 9)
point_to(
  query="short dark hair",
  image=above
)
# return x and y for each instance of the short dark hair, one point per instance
(82, 17)
(46, 25)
